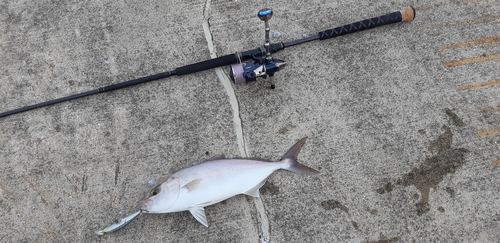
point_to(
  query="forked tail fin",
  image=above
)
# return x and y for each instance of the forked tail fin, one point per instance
(291, 160)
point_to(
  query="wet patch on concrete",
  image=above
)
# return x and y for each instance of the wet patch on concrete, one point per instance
(383, 239)
(455, 120)
(355, 224)
(270, 188)
(373, 211)
(334, 204)
(386, 188)
(286, 129)
(451, 191)
(431, 172)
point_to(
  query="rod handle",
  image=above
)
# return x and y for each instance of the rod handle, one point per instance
(405, 15)
(208, 64)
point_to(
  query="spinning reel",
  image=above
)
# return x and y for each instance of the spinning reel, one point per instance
(259, 66)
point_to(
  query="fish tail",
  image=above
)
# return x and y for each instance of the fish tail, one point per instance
(290, 160)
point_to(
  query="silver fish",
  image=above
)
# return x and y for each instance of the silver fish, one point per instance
(215, 180)
(119, 224)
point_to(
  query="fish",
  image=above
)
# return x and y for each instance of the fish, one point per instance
(194, 188)
(119, 224)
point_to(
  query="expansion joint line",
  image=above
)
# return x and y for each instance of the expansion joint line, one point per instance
(224, 79)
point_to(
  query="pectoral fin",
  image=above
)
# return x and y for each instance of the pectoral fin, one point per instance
(199, 214)
(254, 191)
(192, 185)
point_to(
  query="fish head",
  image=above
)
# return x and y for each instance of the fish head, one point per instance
(161, 197)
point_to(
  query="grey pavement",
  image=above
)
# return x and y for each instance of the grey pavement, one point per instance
(403, 120)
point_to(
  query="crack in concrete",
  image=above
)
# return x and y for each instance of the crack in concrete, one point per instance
(224, 79)
(264, 234)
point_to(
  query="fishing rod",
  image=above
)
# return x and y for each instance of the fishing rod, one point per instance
(246, 66)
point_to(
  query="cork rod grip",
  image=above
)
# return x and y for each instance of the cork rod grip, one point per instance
(407, 14)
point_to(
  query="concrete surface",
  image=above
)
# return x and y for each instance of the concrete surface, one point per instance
(402, 120)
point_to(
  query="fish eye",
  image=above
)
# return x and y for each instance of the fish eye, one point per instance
(154, 191)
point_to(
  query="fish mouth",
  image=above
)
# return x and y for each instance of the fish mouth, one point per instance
(144, 209)
(143, 205)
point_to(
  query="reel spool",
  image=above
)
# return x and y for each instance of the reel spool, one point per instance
(263, 66)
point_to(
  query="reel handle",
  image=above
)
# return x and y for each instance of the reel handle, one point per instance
(405, 15)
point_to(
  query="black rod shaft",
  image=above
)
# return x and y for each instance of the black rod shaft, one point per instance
(47, 103)
(407, 14)
(96, 91)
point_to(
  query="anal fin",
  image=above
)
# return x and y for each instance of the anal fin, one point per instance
(254, 191)
(199, 214)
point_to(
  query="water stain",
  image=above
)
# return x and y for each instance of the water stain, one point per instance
(286, 129)
(386, 188)
(51, 234)
(373, 211)
(333, 204)
(455, 120)
(431, 172)
(44, 201)
(383, 239)
(451, 191)
(269, 187)
(355, 224)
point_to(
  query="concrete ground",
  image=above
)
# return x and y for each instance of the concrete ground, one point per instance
(403, 120)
